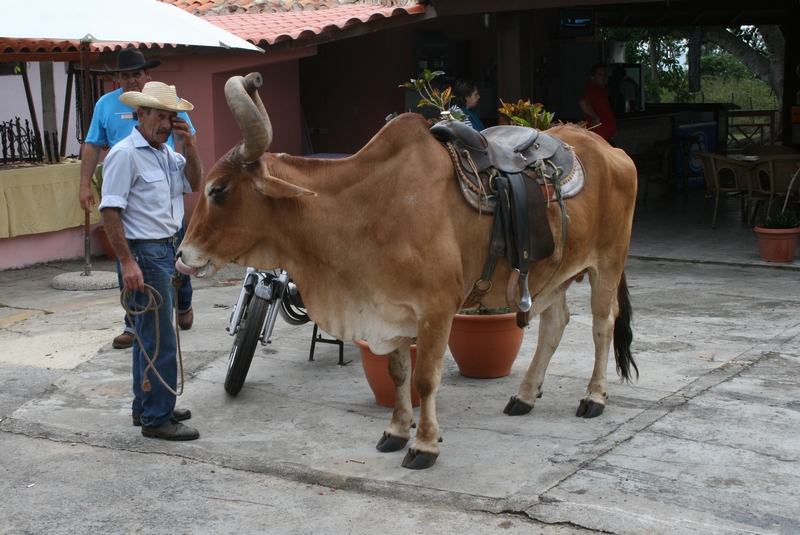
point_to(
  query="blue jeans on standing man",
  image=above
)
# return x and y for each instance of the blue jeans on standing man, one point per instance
(157, 262)
(184, 290)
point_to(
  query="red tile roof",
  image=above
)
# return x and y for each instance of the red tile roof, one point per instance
(265, 29)
(238, 7)
(262, 22)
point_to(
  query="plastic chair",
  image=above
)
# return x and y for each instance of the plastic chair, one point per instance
(724, 175)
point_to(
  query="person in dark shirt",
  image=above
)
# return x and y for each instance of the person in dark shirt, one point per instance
(466, 97)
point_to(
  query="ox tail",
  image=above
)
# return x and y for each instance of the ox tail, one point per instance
(623, 335)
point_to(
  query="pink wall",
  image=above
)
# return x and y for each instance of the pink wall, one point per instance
(351, 85)
(200, 79)
(22, 251)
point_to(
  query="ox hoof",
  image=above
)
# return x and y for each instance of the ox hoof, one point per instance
(589, 409)
(517, 407)
(389, 443)
(419, 460)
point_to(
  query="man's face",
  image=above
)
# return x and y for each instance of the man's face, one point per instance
(601, 77)
(155, 125)
(132, 80)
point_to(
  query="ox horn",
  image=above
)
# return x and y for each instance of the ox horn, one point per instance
(246, 105)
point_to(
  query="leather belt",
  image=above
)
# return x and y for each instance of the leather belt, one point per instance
(160, 240)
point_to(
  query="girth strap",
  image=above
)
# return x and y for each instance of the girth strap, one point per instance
(513, 207)
(518, 213)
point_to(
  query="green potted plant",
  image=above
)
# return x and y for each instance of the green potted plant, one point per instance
(433, 97)
(485, 342)
(525, 113)
(777, 237)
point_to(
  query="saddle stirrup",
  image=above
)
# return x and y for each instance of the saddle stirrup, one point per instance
(524, 304)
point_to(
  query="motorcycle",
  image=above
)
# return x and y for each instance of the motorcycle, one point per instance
(263, 296)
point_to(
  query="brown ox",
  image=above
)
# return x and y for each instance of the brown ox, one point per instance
(383, 247)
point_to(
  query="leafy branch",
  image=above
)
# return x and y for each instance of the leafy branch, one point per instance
(433, 97)
(523, 113)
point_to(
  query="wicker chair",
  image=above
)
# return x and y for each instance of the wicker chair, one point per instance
(769, 179)
(724, 176)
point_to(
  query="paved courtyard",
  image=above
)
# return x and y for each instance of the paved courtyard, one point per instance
(705, 441)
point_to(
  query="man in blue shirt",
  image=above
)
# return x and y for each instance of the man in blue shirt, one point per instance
(112, 121)
(142, 206)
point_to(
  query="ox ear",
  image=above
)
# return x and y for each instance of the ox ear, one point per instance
(277, 188)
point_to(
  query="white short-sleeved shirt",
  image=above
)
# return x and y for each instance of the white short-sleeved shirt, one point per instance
(147, 185)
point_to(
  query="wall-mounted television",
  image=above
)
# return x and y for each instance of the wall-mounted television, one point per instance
(575, 21)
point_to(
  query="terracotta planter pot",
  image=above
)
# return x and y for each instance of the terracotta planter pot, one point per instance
(777, 244)
(485, 346)
(107, 249)
(376, 368)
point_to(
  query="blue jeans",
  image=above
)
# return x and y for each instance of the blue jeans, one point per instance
(184, 290)
(157, 262)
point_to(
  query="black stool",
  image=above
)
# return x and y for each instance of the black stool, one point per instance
(318, 338)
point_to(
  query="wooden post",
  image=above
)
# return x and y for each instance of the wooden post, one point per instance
(28, 95)
(67, 104)
(87, 120)
(87, 88)
(49, 121)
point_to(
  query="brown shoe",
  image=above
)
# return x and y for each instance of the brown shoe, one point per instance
(186, 319)
(172, 429)
(178, 414)
(123, 341)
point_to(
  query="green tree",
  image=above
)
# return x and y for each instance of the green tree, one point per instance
(657, 48)
(759, 48)
(715, 62)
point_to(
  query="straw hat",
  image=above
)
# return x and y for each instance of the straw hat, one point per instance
(157, 95)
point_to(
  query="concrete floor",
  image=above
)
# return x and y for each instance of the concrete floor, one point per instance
(704, 442)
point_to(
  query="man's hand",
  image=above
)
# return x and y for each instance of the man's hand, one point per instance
(194, 167)
(90, 155)
(588, 109)
(86, 197)
(182, 131)
(132, 277)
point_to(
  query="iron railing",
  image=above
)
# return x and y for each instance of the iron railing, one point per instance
(20, 142)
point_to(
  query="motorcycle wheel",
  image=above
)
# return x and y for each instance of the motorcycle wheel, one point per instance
(245, 343)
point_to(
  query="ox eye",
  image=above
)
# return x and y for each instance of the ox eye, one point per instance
(218, 192)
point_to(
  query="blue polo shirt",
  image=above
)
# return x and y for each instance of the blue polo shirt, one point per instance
(113, 121)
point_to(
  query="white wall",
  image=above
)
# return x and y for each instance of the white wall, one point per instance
(13, 102)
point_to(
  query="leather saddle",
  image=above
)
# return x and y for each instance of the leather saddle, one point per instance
(480, 156)
(514, 165)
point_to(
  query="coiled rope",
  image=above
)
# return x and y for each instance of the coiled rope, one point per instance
(154, 302)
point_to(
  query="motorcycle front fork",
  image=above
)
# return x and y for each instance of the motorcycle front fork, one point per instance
(265, 286)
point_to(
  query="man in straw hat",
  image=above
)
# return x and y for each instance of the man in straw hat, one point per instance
(142, 207)
(112, 121)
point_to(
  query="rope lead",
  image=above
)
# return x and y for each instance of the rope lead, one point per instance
(154, 302)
